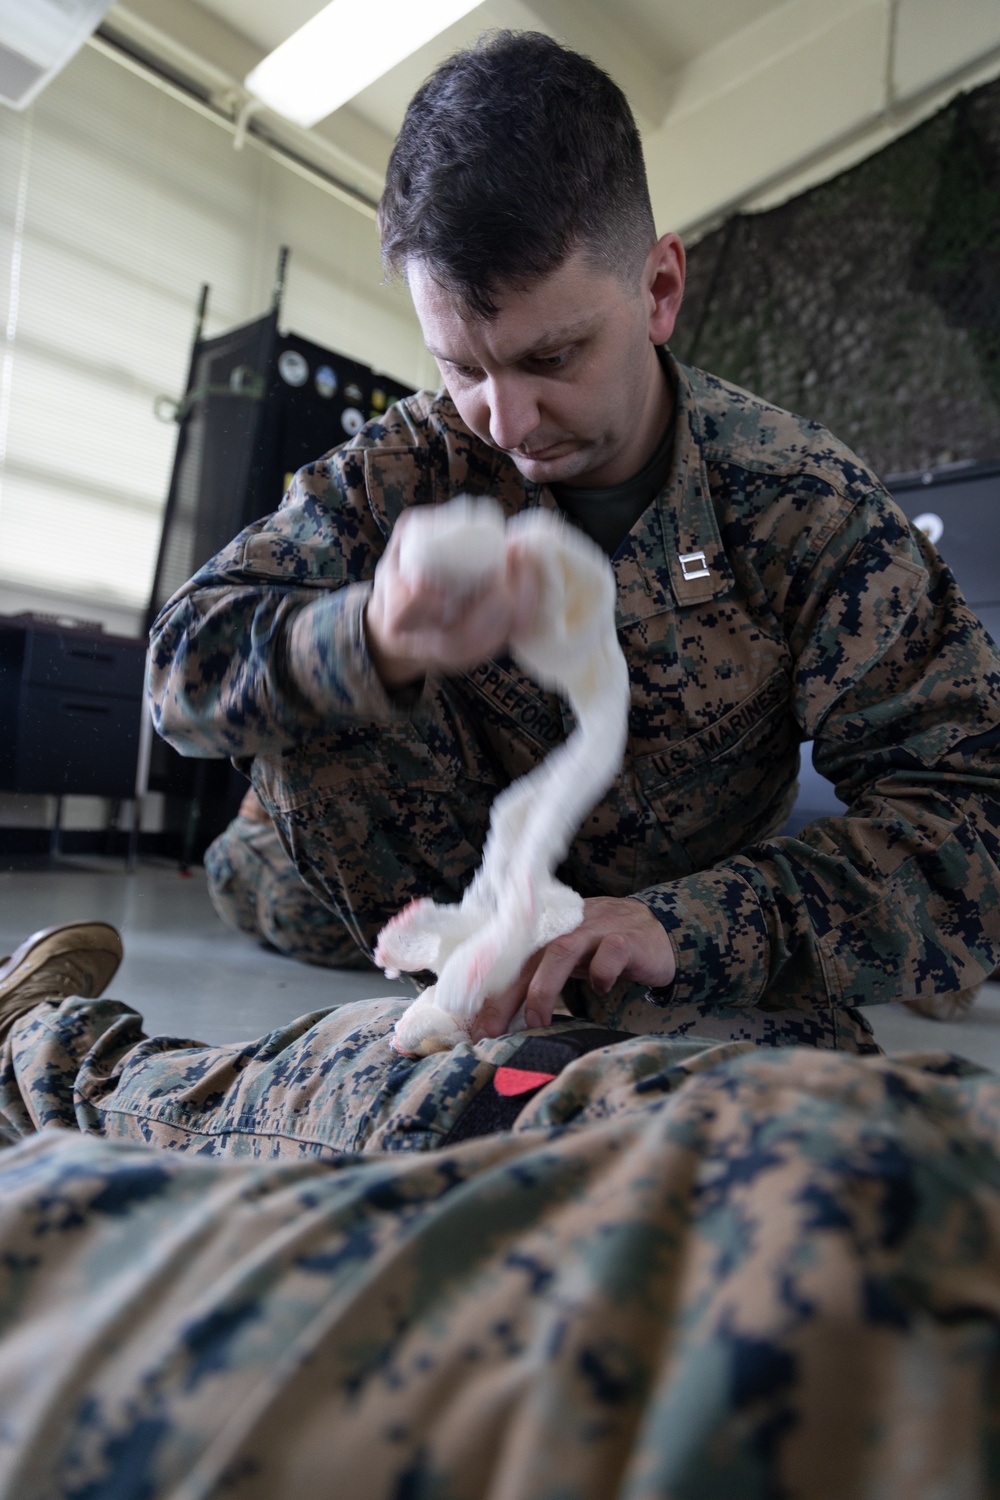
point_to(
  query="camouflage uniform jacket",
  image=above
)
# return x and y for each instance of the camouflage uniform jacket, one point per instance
(772, 594)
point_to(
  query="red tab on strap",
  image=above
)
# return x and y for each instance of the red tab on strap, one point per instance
(512, 1081)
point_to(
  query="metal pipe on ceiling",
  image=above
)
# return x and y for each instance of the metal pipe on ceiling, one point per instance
(244, 128)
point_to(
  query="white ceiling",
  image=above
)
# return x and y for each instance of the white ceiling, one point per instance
(640, 41)
(741, 102)
(680, 30)
(265, 22)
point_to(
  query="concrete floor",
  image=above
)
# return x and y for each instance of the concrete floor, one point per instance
(183, 970)
(191, 977)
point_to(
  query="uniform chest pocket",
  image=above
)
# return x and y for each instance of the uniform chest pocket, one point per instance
(729, 783)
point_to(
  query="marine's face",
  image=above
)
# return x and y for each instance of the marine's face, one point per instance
(565, 377)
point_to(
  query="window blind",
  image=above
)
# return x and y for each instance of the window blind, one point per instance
(116, 203)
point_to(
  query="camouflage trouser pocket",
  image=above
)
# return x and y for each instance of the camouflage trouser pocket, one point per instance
(371, 822)
(256, 889)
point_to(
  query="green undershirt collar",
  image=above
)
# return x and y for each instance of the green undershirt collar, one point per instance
(608, 514)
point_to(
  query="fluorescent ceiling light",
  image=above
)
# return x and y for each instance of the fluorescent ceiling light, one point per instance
(345, 48)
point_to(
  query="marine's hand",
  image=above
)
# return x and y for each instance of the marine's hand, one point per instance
(253, 808)
(618, 938)
(414, 626)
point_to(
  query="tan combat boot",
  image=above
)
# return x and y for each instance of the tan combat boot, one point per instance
(79, 958)
(946, 1007)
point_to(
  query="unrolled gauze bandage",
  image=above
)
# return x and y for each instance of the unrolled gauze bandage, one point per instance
(514, 905)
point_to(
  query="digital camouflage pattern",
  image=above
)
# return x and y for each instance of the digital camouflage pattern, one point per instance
(256, 889)
(688, 1271)
(772, 594)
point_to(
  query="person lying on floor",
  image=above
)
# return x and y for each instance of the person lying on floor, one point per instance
(558, 1263)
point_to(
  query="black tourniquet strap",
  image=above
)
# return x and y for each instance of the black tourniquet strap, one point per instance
(492, 1110)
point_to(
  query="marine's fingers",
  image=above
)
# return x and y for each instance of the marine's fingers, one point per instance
(556, 963)
(612, 958)
(498, 1011)
(418, 607)
(525, 588)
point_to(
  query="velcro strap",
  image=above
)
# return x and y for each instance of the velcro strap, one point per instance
(536, 1062)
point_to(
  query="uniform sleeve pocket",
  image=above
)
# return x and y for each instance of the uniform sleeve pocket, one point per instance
(267, 554)
(874, 598)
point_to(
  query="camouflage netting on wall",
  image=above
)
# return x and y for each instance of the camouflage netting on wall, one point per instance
(871, 303)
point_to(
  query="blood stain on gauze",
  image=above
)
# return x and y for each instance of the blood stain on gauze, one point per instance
(514, 905)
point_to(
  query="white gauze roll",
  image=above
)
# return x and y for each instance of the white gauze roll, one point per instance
(514, 906)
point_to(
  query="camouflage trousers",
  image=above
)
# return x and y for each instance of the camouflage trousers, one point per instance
(686, 1271)
(329, 1083)
(256, 889)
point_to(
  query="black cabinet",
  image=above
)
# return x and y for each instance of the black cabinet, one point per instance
(259, 405)
(70, 709)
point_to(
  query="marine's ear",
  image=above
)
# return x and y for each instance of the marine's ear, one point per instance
(663, 278)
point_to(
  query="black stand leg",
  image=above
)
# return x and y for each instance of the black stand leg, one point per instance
(133, 836)
(55, 838)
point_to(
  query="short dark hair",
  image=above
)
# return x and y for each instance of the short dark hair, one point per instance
(512, 155)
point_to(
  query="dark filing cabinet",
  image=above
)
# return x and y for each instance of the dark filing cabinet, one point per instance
(70, 709)
(958, 508)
